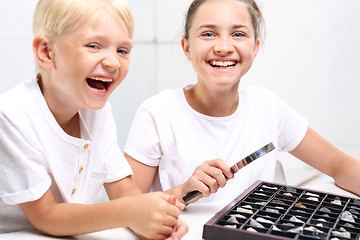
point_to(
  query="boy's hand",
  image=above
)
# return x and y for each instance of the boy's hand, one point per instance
(181, 227)
(155, 216)
(207, 178)
(180, 230)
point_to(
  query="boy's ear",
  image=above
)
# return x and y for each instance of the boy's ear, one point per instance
(185, 47)
(42, 52)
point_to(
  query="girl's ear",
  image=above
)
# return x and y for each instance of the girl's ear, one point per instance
(256, 47)
(42, 52)
(185, 47)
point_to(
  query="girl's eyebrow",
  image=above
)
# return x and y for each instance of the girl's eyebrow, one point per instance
(239, 26)
(214, 26)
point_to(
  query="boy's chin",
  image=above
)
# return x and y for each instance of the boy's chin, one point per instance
(96, 105)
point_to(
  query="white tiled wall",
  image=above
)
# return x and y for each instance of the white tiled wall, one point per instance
(310, 59)
(15, 41)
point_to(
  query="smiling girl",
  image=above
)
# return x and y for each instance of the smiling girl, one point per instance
(185, 139)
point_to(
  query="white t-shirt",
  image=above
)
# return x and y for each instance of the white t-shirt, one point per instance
(168, 133)
(36, 154)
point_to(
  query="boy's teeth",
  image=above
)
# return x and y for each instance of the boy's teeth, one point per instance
(98, 83)
(99, 90)
(101, 79)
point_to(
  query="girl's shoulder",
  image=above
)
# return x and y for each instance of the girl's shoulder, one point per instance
(254, 90)
(257, 93)
(165, 98)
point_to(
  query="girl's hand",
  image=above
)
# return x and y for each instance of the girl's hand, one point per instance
(207, 178)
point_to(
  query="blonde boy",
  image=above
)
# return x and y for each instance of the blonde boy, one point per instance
(58, 141)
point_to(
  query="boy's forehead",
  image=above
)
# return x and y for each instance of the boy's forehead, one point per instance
(102, 27)
(94, 20)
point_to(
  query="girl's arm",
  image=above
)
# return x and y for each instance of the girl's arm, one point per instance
(207, 178)
(149, 215)
(319, 153)
(143, 174)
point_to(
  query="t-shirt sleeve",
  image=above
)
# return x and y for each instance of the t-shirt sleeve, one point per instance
(143, 142)
(116, 164)
(23, 174)
(292, 127)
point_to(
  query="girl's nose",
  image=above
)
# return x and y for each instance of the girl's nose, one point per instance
(223, 46)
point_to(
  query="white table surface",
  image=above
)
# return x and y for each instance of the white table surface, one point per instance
(194, 215)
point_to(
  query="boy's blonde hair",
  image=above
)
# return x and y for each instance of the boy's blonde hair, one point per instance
(53, 17)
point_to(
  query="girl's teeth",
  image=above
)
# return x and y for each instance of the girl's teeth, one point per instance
(222, 63)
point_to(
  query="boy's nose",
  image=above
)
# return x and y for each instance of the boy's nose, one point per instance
(111, 62)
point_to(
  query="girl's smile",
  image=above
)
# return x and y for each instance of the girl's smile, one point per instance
(223, 64)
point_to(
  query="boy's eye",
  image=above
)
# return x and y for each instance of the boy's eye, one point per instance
(93, 46)
(122, 51)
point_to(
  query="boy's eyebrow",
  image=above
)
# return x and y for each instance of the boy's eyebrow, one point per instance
(105, 38)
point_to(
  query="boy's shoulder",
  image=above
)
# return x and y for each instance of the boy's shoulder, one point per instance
(21, 98)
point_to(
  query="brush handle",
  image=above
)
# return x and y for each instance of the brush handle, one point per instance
(191, 195)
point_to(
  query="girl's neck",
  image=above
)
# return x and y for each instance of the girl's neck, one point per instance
(220, 103)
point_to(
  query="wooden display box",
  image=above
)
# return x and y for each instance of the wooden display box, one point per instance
(285, 212)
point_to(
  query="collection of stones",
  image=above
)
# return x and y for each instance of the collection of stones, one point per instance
(295, 213)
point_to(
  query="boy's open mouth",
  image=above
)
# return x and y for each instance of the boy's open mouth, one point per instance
(98, 83)
(222, 64)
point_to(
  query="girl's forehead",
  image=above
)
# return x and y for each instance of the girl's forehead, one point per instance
(221, 12)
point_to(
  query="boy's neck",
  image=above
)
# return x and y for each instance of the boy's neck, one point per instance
(68, 121)
(72, 127)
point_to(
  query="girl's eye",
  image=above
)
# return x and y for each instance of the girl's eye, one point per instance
(239, 34)
(208, 34)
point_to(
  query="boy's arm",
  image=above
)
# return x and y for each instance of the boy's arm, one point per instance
(319, 153)
(149, 215)
(125, 187)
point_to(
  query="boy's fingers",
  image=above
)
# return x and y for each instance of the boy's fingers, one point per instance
(172, 200)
